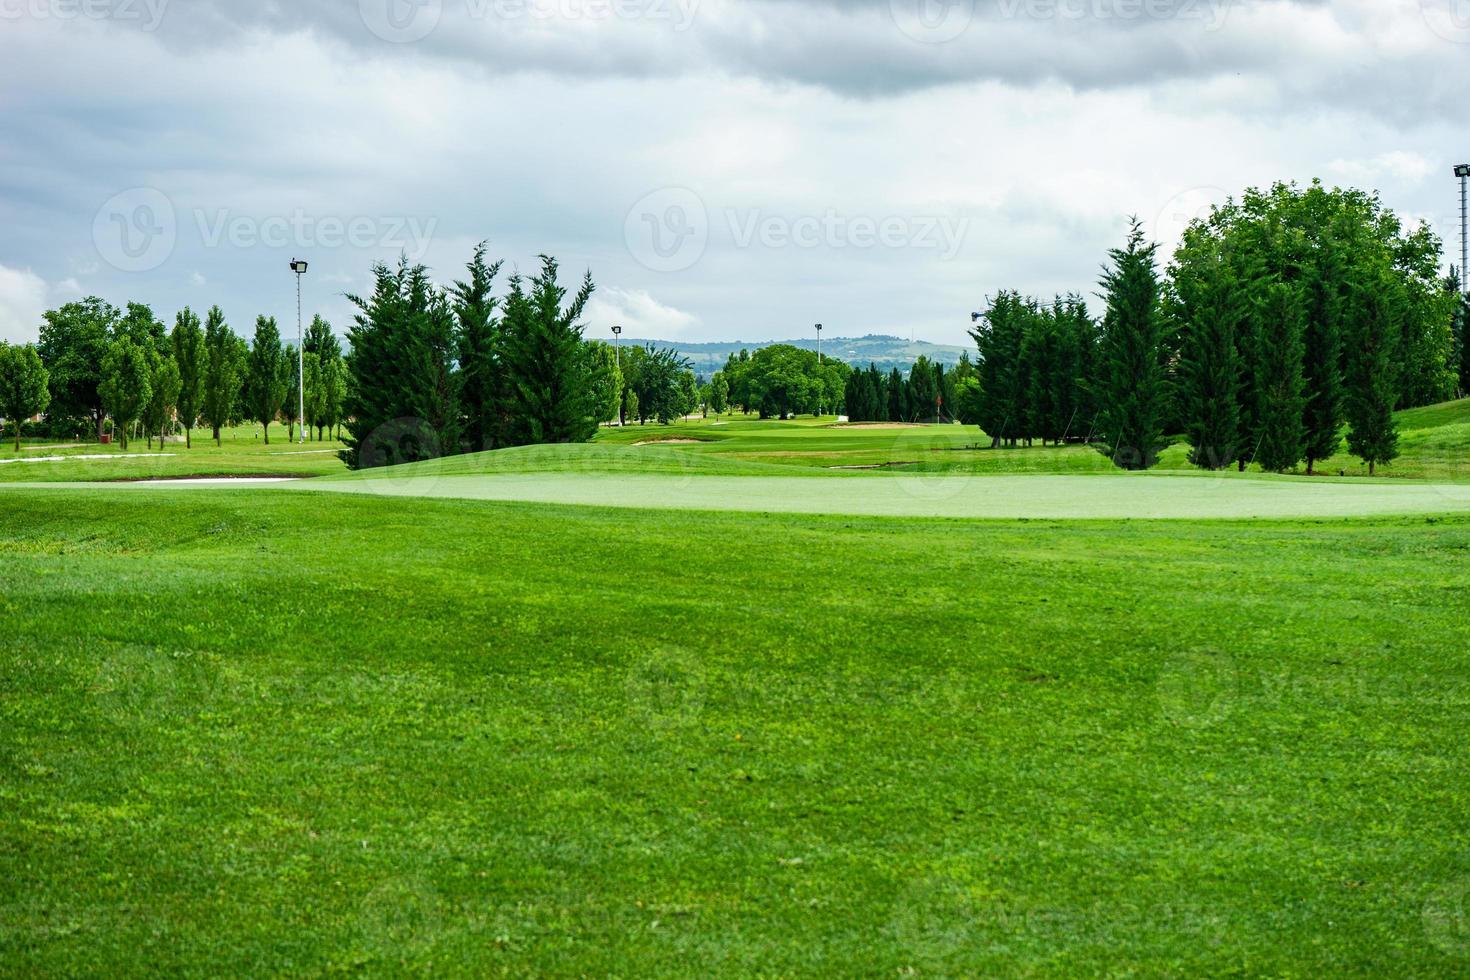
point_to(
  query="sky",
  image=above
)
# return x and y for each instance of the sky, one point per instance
(727, 169)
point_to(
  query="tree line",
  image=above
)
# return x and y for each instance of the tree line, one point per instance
(1285, 320)
(96, 362)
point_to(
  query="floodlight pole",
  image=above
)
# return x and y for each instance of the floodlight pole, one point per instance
(821, 390)
(618, 359)
(1463, 172)
(299, 268)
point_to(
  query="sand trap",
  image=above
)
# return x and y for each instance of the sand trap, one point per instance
(204, 481)
(58, 459)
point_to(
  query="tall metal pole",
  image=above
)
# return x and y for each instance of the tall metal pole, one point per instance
(618, 359)
(300, 367)
(821, 396)
(1464, 171)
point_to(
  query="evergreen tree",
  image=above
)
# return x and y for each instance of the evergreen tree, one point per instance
(23, 385)
(551, 400)
(1322, 357)
(897, 397)
(192, 360)
(923, 392)
(1373, 384)
(876, 392)
(126, 384)
(222, 373)
(1276, 365)
(1131, 388)
(1460, 329)
(266, 383)
(483, 386)
(1211, 308)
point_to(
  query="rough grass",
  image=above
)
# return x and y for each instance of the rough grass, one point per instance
(252, 732)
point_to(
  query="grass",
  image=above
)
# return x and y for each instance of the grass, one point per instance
(250, 732)
(272, 731)
(242, 452)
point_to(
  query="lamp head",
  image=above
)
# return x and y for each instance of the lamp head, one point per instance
(298, 266)
(617, 330)
(1463, 170)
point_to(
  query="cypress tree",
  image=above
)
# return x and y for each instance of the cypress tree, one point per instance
(1373, 383)
(551, 401)
(1322, 359)
(483, 386)
(1276, 365)
(897, 397)
(877, 394)
(1211, 309)
(1131, 388)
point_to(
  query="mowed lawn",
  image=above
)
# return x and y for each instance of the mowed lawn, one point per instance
(254, 732)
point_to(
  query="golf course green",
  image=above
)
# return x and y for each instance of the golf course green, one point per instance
(708, 708)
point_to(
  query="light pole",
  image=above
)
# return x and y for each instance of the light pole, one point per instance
(1463, 172)
(822, 390)
(299, 267)
(618, 359)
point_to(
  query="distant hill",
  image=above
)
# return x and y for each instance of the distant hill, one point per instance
(886, 352)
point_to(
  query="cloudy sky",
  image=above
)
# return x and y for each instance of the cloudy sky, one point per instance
(726, 168)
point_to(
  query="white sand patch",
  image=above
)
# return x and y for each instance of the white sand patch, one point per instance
(58, 459)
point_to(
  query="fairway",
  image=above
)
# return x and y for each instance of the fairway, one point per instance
(939, 495)
(266, 731)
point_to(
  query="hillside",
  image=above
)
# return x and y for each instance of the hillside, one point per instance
(885, 351)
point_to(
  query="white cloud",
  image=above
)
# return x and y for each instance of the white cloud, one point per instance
(638, 313)
(23, 297)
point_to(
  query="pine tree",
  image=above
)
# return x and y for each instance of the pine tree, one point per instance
(1131, 391)
(897, 397)
(551, 401)
(191, 357)
(483, 388)
(1373, 384)
(1276, 365)
(1211, 308)
(923, 392)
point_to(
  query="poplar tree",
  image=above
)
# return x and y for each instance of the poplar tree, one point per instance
(23, 385)
(223, 372)
(266, 381)
(126, 384)
(191, 358)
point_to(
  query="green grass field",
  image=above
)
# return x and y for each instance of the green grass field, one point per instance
(287, 731)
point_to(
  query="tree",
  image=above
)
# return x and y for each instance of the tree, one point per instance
(291, 404)
(191, 357)
(1131, 392)
(607, 379)
(1373, 385)
(1210, 306)
(223, 371)
(551, 397)
(23, 385)
(1460, 328)
(403, 387)
(897, 397)
(483, 386)
(75, 340)
(127, 384)
(1275, 362)
(334, 394)
(163, 398)
(719, 394)
(315, 389)
(266, 375)
(923, 391)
